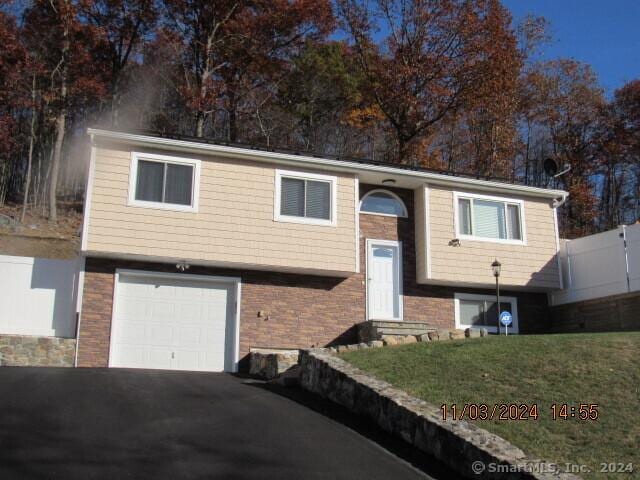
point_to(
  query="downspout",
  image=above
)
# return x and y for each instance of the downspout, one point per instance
(557, 203)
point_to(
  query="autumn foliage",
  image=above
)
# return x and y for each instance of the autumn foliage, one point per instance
(452, 85)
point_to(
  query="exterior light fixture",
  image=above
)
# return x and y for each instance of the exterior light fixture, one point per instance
(495, 267)
(388, 181)
(182, 266)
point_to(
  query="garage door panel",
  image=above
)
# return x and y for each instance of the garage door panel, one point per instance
(135, 333)
(159, 358)
(131, 356)
(173, 324)
(159, 334)
(190, 313)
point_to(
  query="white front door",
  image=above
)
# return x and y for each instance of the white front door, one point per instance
(173, 322)
(384, 280)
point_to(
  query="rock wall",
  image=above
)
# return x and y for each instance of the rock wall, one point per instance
(23, 351)
(268, 365)
(458, 444)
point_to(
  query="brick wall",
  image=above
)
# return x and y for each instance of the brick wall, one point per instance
(299, 310)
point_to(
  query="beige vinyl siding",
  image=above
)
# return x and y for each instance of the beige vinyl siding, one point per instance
(532, 265)
(234, 223)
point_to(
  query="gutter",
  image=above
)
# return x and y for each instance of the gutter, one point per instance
(558, 202)
(341, 165)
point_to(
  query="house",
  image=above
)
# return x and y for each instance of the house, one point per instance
(198, 252)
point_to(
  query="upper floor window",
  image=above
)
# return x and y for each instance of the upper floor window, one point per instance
(383, 202)
(305, 198)
(480, 217)
(160, 181)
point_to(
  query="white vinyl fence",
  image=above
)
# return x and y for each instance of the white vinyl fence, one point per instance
(38, 296)
(600, 265)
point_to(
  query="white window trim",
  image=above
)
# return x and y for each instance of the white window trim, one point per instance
(133, 180)
(333, 182)
(390, 193)
(461, 236)
(514, 328)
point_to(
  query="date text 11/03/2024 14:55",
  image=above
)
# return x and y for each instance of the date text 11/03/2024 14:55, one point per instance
(514, 411)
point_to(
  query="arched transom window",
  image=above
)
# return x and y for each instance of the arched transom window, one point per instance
(383, 202)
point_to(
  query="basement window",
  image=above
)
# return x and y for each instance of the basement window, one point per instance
(479, 311)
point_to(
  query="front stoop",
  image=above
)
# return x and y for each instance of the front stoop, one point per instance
(376, 329)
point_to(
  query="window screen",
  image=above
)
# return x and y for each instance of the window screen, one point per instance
(149, 181)
(489, 219)
(164, 182)
(305, 198)
(318, 200)
(481, 312)
(292, 202)
(464, 216)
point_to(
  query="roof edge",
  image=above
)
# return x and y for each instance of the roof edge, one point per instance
(427, 177)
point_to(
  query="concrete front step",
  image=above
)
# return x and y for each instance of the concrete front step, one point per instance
(394, 324)
(402, 331)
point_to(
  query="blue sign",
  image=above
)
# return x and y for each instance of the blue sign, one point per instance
(506, 318)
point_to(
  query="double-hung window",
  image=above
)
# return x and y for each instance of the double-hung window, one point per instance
(489, 218)
(160, 181)
(305, 198)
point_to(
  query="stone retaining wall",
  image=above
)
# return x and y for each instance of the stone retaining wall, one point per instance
(270, 364)
(458, 444)
(24, 351)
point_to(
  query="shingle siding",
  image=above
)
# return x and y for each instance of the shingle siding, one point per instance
(533, 265)
(234, 222)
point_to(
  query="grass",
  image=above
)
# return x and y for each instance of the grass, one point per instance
(543, 369)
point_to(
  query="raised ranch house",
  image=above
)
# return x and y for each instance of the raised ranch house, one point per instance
(197, 253)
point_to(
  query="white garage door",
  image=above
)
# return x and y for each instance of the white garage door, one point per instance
(165, 322)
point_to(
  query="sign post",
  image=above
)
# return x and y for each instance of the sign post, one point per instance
(506, 319)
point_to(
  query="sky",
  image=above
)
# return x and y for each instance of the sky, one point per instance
(602, 33)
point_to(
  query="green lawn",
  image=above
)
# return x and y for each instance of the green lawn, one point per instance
(543, 369)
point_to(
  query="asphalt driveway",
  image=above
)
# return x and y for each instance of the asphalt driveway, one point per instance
(115, 424)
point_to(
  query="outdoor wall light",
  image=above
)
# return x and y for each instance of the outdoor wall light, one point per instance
(182, 266)
(388, 181)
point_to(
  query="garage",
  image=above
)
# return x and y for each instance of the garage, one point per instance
(174, 322)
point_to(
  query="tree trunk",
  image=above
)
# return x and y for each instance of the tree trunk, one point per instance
(55, 166)
(233, 118)
(61, 120)
(199, 132)
(27, 181)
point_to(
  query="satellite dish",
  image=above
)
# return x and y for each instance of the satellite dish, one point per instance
(550, 167)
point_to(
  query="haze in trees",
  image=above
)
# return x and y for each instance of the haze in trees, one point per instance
(447, 84)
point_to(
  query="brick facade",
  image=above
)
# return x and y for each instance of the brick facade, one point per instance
(299, 310)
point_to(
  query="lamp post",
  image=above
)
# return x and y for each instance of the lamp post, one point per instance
(495, 266)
